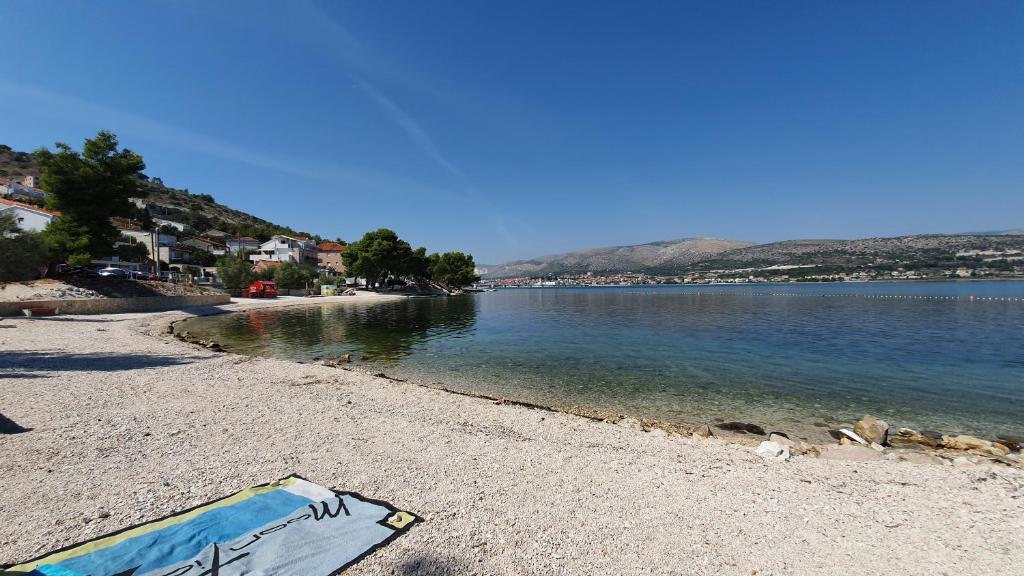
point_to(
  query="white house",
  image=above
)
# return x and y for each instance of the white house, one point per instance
(215, 248)
(282, 248)
(29, 218)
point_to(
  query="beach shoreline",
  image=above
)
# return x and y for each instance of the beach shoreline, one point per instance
(128, 423)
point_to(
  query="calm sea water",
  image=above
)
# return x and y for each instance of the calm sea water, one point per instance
(794, 357)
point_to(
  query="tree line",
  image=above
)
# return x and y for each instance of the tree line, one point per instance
(99, 182)
(380, 257)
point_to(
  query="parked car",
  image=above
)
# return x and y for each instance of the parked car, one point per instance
(262, 289)
(140, 275)
(80, 271)
(114, 273)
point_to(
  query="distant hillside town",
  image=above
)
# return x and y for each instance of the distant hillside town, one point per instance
(176, 247)
(711, 260)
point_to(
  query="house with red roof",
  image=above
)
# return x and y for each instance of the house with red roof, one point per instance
(328, 257)
(28, 217)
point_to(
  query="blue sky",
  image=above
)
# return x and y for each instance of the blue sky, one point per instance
(514, 129)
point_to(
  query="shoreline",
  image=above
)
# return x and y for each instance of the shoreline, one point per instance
(131, 422)
(812, 445)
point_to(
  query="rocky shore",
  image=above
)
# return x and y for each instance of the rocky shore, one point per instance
(869, 439)
(121, 422)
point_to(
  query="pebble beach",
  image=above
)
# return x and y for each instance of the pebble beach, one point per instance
(127, 423)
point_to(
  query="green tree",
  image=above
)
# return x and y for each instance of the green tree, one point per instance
(291, 275)
(377, 256)
(131, 251)
(88, 188)
(22, 254)
(169, 230)
(418, 265)
(454, 269)
(234, 273)
(197, 220)
(201, 257)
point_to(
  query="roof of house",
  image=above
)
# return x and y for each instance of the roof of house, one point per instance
(197, 240)
(6, 202)
(331, 247)
(242, 239)
(262, 265)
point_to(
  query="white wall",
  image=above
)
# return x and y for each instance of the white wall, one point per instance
(28, 220)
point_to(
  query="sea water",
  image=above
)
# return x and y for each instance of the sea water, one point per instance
(801, 358)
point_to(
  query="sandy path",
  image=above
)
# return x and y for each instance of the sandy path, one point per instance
(129, 421)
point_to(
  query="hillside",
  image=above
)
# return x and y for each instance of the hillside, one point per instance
(200, 211)
(653, 258)
(704, 254)
(14, 164)
(926, 250)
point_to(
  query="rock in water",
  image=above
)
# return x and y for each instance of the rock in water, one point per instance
(741, 427)
(872, 429)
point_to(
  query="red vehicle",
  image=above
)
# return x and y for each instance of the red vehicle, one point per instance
(262, 289)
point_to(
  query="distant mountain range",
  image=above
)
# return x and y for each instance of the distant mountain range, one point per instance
(664, 255)
(690, 254)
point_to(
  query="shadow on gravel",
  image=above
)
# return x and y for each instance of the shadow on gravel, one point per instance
(76, 319)
(8, 426)
(21, 362)
(426, 564)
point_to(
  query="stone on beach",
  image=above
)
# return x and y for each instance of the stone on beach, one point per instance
(703, 431)
(906, 436)
(773, 450)
(975, 445)
(872, 429)
(630, 424)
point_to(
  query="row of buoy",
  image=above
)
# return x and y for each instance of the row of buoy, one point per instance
(876, 296)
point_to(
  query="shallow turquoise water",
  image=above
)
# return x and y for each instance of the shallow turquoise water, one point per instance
(795, 357)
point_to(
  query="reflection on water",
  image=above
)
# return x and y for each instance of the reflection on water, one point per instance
(800, 358)
(383, 333)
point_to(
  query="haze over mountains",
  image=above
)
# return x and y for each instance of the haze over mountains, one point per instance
(667, 254)
(687, 254)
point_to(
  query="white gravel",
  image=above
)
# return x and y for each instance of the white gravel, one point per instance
(130, 422)
(43, 290)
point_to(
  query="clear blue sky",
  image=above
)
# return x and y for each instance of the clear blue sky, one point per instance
(514, 129)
